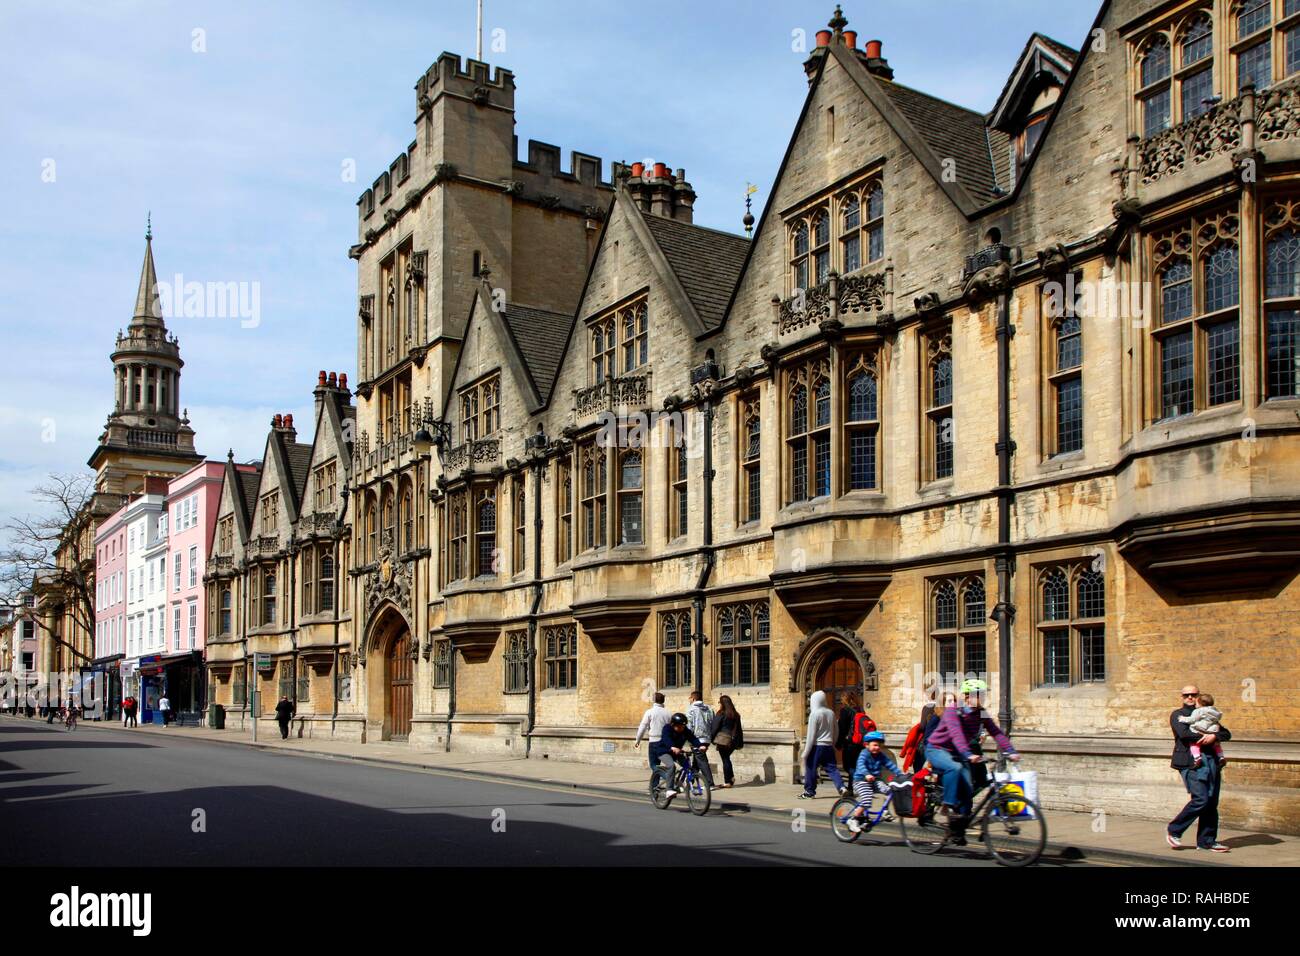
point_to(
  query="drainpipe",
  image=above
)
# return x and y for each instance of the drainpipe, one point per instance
(294, 550)
(707, 570)
(338, 590)
(538, 465)
(1005, 561)
(451, 691)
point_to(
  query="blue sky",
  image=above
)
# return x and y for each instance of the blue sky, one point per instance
(239, 150)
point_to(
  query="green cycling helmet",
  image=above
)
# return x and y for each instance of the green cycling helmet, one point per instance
(972, 686)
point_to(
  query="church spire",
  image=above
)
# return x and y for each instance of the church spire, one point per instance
(148, 308)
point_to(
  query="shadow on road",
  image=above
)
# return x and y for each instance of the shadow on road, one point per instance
(274, 826)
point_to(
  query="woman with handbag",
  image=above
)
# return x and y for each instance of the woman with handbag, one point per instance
(728, 736)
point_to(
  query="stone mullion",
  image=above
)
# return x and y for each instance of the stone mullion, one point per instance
(1251, 352)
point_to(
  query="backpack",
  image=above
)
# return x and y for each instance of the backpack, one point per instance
(862, 725)
(910, 802)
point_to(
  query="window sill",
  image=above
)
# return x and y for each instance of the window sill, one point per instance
(558, 691)
(941, 486)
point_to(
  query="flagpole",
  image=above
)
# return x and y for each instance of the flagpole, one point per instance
(479, 57)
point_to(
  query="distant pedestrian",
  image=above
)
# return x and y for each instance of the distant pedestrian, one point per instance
(728, 736)
(165, 707)
(283, 713)
(699, 717)
(128, 711)
(1202, 783)
(819, 749)
(652, 726)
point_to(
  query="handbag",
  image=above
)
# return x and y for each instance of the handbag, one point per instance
(723, 738)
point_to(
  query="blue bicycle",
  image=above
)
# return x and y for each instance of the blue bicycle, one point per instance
(686, 779)
(847, 806)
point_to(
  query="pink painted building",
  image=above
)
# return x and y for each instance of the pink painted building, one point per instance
(110, 604)
(192, 502)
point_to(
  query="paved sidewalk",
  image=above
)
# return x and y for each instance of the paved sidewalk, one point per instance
(1071, 835)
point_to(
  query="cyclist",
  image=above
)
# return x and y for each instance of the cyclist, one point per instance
(70, 714)
(672, 745)
(953, 747)
(871, 766)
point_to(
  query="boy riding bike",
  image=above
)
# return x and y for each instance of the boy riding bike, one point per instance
(867, 782)
(672, 750)
(953, 748)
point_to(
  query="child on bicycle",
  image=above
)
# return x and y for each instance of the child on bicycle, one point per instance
(872, 764)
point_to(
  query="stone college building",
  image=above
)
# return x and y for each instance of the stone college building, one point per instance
(1012, 393)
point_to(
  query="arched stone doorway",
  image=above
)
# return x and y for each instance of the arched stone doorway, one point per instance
(834, 660)
(390, 681)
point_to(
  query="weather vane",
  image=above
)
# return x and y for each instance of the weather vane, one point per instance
(750, 189)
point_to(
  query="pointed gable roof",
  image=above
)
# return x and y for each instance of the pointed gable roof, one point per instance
(707, 263)
(539, 336)
(1041, 58)
(243, 492)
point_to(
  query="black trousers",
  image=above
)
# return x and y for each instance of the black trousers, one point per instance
(284, 728)
(724, 754)
(850, 754)
(1202, 785)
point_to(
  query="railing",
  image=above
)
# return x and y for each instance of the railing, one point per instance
(985, 258)
(1266, 116)
(142, 436)
(613, 394)
(1192, 143)
(853, 295)
(478, 452)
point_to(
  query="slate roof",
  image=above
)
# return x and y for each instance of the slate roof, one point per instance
(297, 457)
(249, 482)
(540, 337)
(951, 132)
(707, 262)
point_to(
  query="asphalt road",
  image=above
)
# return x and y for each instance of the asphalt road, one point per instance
(103, 797)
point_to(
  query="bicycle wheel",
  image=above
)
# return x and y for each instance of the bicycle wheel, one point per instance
(924, 834)
(1013, 829)
(659, 793)
(841, 810)
(698, 796)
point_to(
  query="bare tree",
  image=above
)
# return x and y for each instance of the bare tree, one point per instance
(51, 551)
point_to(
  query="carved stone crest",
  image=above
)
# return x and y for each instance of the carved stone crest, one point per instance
(390, 580)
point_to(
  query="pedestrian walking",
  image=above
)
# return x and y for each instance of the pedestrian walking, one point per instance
(284, 711)
(854, 725)
(652, 726)
(1202, 783)
(165, 706)
(728, 736)
(128, 711)
(699, 717)
(819, 749)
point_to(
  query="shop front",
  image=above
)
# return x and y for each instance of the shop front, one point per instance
(184, 684)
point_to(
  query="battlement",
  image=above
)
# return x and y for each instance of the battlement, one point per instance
(476, 80)
(544, 160)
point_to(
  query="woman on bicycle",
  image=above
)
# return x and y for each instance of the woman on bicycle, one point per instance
(952, 748)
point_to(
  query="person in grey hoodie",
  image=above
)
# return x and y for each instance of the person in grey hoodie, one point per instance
(819, 750)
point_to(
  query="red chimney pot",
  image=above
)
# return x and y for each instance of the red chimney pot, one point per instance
(661, 170)
(823, 37)
(277, 421)
(334, 380)
(873, 49)
(321, 379)
(343, 380)
(288, 421)
(851, 38)
(638, 169)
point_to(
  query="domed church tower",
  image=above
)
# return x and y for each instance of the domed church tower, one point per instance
(147, 432)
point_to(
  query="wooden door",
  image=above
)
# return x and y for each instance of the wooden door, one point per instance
(839, 676)
(400, 668)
